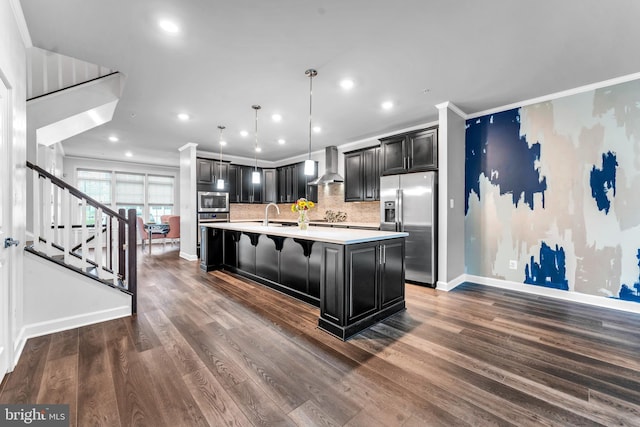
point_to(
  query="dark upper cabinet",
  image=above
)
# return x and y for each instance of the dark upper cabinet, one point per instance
(234, 183)
(241, 189)
(353, 177)
(269, 186)
(362, 175)
(221, 170)
(409, 152)
(294, 184)
(204, 171)
(249, 192)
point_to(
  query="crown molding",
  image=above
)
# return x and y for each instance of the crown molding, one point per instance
(556, 95)
(453, 107)
(188, 145)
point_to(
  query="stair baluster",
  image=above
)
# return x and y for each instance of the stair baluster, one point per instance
(111, 257)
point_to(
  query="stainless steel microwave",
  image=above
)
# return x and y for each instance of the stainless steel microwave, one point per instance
(213, 201)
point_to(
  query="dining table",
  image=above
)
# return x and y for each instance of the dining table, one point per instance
(156, 228)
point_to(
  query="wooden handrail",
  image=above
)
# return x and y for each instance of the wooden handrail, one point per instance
(113, 256)
(74, 191)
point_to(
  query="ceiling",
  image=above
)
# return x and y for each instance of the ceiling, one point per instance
(229, 55)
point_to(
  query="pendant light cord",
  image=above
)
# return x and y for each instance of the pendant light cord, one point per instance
(220, 143)
(311, 73)
(256, 108)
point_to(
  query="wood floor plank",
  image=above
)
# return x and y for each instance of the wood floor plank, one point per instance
(96, 393)
(218, 349)
(23, 384)
(214, 400)
(59, 384)
(175, 400)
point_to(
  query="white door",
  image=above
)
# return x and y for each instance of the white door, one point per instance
(5, 230)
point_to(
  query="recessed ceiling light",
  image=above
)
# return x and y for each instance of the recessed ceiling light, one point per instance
(276, 117)
(113, 138)
(169, 26)
(128, 154)
(346, 84)
(184, 117)
(244, 133)
(387, 105)
(281, 141)
(258, 149)
(223, 143)
(317, 129)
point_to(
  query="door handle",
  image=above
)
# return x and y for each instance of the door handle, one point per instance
(10, 242)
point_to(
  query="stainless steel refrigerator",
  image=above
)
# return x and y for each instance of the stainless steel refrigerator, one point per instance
(408, 203)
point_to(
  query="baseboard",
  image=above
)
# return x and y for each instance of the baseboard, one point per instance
(604, 302)
(447, 286)
(43, 328)
(188, 257)
(18, 346)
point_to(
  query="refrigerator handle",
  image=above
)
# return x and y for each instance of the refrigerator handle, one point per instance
(399, 213)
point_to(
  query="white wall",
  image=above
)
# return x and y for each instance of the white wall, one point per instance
(66, 299)
(14, 76)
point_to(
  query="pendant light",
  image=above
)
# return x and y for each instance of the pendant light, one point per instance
(310, 165)
(255, 176)
(220, 183)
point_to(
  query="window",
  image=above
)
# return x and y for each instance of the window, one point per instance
(97, 185)
(150, 195)
(160, 196)
(129, 192)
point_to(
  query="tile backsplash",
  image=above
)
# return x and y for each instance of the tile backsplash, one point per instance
(330, 197)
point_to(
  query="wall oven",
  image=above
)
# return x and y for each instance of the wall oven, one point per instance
(213, 201)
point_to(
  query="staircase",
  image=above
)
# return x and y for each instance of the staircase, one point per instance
(83, 236)
(67, 96)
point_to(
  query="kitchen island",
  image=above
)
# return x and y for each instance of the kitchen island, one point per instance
(355, 277)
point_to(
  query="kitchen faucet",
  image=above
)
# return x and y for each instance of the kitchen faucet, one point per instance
(265, 222)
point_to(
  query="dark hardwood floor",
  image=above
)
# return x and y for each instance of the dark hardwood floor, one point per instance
(216, 349)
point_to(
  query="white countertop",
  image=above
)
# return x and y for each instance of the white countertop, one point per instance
(343, 224)
(342, 236)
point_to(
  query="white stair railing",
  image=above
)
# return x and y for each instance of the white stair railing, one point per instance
(104, 247)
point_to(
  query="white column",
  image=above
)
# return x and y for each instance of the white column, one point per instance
(451, 193)
(188, 208)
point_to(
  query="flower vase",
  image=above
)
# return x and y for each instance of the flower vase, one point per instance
(303, 220)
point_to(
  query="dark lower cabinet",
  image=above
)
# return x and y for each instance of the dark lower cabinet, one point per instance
(211, 254)
(268, 257)
(291, 266)
(370, 288)
(354, 285)
(362, 281)
(392, 274)
(247, 252)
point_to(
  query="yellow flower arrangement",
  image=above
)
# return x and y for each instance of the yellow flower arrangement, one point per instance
(302, 204)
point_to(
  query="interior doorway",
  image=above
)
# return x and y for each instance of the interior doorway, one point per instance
(6, 347)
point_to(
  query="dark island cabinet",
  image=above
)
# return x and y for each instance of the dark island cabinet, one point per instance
(291, 266)
(355, 285)
(211, 254)
(362, 175)
(410, 152)
(371, 288)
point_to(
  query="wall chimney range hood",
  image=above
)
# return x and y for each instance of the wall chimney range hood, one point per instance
(331, 175)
